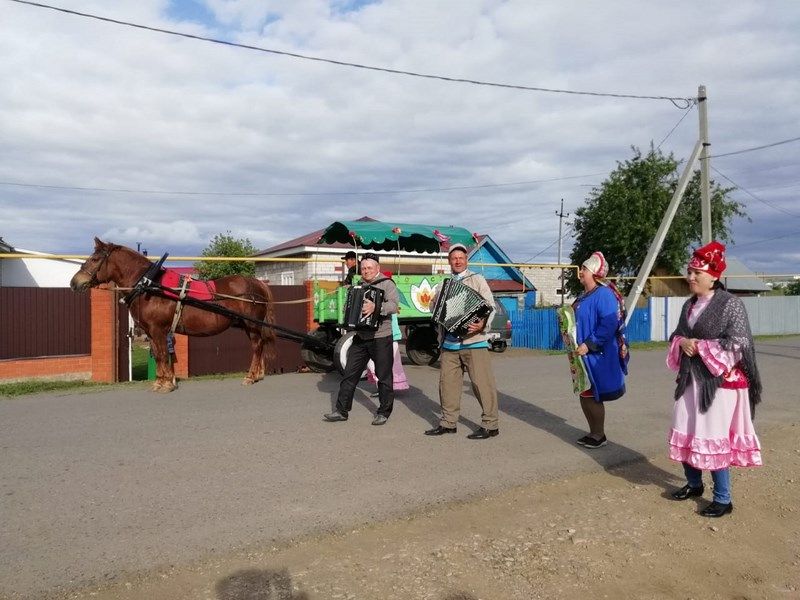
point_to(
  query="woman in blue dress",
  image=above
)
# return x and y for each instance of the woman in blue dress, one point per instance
(600, 321)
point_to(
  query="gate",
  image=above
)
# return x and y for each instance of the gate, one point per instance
(229, 352)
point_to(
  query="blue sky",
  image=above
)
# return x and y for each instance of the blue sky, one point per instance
(208, 138)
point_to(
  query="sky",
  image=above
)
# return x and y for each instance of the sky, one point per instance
(159, 141)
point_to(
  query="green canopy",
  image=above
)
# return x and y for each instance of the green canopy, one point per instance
(377, 235)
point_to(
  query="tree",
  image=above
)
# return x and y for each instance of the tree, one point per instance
(621, 216)
(792, 289)
(226, 245)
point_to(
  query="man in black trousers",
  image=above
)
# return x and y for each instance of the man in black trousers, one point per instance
(374, 344)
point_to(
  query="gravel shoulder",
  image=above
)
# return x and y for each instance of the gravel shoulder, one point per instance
(226, 492)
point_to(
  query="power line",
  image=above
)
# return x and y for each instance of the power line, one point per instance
(752, 195)
(566, 233)
(769, 239)
(772, 145)
(686, 112)
(294, 194)
(676, 100)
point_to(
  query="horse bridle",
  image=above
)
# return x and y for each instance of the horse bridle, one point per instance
(103, 258)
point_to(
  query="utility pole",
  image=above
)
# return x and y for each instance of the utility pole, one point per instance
(705, 166)
(561, 216)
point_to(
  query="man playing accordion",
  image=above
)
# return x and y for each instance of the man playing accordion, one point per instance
(468, 353)
(371, 343)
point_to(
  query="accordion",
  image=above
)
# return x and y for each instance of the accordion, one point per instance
(458, 305)
(356, 294)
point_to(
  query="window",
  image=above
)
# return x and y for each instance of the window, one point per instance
(287, 278)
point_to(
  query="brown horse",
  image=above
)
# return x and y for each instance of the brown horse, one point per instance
(154, 314)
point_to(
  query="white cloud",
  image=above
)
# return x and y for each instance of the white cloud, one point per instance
(96, 105)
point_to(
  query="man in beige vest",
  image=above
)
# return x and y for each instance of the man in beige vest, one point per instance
(470, 354)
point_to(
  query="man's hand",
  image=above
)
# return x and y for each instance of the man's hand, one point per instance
(476, 326)
(582, 350)
(367, 308)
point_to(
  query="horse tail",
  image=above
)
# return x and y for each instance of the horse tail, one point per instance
(268, 333)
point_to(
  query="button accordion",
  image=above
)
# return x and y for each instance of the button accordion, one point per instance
(457, 305)
(356, 294)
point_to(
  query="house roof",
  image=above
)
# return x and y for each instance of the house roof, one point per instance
(737, 277)
(490, 246)
(506, 285)
(5, 246)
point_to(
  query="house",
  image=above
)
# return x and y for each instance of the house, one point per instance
(323, 262)
(738, 279)
(35, 272)
(508, 284)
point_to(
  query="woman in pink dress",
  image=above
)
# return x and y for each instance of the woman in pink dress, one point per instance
(718, 384)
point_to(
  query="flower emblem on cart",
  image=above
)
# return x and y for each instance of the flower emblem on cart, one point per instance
(422, 295)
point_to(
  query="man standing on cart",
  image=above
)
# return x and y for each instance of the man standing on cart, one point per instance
(371, 344)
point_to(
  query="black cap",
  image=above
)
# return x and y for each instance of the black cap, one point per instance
(350, 254)
(372, 256)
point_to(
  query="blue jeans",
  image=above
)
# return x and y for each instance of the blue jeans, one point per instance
(721, 479)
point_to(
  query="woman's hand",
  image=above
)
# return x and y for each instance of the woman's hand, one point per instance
(582, 350)
(689, 346)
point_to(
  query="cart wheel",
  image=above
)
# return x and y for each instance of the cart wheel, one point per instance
(422, 346)
(316, 359)
(340, 351)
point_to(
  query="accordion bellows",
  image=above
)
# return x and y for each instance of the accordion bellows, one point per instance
(353, 319)
(458, 305)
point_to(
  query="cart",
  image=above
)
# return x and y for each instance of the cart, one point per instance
(416, 291)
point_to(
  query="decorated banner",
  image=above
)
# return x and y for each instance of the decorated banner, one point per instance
(577, 368)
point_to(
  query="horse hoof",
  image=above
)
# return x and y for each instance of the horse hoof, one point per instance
(248, 381)
(167, 388)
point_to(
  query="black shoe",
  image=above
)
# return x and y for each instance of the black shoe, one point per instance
(687, 492)
(715, 509)
(583, 440)
(440, 430)
(380, 420)
(591, 443)
(335, 416)
(483, 434)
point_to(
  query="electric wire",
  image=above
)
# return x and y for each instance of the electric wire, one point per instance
(754, 148)
(752, 195)
(296, 194)
(685, 113)
(550, 245)
(677, 101)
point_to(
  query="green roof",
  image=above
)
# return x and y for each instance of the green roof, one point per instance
(377, 235)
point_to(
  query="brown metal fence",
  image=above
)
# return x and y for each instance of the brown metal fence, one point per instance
(229, 352)
(36, 322)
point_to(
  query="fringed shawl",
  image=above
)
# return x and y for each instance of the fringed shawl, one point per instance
(725, 320)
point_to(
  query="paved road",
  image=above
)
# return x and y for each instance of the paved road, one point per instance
(95, 484)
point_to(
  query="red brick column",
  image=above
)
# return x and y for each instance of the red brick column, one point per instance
(104, 313)
(181, 364)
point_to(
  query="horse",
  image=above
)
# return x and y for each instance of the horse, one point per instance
(247, 296)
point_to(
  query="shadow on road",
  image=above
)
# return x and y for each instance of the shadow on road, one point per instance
(414, 399)
(258, 584)
(619, 463)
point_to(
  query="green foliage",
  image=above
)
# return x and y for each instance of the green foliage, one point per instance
(621, 217)
(792, 289)
(226, 245)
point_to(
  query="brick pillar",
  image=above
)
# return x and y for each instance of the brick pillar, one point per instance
(103, 317)
(311, 325)
(181, 364)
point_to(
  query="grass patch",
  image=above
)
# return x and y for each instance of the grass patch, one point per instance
(139, 358)
(22, 388)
